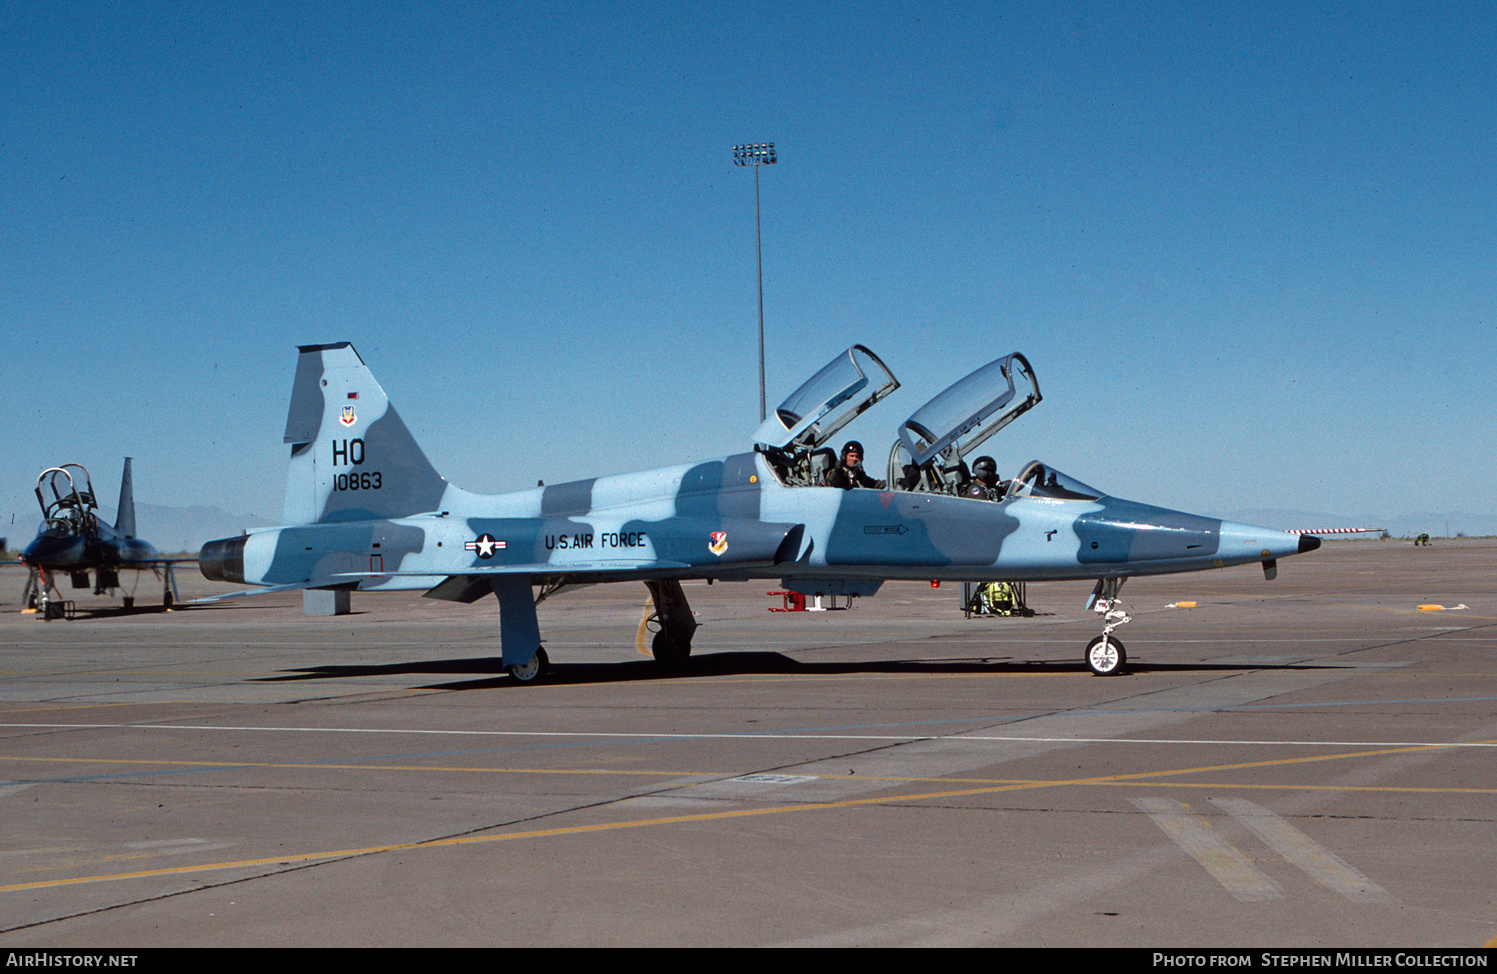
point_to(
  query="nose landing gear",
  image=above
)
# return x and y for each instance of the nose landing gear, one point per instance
(1105, 655)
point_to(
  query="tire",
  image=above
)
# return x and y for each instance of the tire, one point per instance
(532, 671)
(1108, 661)
(669, 651)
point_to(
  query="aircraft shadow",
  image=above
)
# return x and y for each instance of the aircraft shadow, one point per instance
(118, 611)
(737, 664)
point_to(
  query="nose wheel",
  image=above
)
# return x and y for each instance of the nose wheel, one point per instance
(1105, 655)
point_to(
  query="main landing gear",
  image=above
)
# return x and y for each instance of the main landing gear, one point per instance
(1105, 654)
(672, 643)
(519, 628)
(532, 671)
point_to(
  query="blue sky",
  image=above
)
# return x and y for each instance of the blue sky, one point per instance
(1249, 248)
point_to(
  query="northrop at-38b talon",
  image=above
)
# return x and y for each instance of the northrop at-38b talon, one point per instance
(72, 539)
(366, 510)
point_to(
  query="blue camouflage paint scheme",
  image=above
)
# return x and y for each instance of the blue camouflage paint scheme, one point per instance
(365, 509)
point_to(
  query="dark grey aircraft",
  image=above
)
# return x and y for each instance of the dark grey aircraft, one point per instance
(73, 540)
(366, 510)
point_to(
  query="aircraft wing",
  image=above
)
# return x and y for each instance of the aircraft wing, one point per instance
(258, 590)
(473, 583)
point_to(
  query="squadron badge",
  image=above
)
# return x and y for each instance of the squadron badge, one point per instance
(719, 542)
(347, 417)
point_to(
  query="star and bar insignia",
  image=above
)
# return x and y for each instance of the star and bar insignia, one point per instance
(485, 545)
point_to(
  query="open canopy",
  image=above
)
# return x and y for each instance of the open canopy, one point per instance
(832, 398)
(970, 410)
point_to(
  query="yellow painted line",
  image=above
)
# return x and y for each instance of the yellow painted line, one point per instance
(1370, 789)
(677, 820)
(1276, 762)
(678, 773)
(510, 836)
(1144, 778)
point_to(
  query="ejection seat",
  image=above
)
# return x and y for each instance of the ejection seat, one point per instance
(793, 439)
(934, 442)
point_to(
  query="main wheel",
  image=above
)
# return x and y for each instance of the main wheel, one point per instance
(667, 650)
(532, 671)
(1106, 658)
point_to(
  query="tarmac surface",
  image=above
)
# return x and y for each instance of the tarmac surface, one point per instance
(1305, 762)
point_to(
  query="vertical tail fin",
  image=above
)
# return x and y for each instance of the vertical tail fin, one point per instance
(124, 522)
(352, 458)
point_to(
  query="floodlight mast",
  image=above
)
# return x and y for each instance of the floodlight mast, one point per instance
(757, 154)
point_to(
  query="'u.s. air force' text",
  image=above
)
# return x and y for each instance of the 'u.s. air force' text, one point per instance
(608, 539)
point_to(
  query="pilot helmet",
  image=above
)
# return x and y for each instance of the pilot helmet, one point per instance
(853, 446)
(985, 467)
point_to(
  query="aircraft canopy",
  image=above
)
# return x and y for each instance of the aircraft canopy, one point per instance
(970, 410)
(832, 398)
(1038, 480)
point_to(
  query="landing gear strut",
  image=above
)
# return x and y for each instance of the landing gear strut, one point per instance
(518, 629)
(169, 595)
(672, 643)
(1105, 655)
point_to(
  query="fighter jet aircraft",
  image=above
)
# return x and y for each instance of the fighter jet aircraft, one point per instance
(366, 510)
(72, 539)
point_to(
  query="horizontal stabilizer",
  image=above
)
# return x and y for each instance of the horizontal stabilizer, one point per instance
(259, 590)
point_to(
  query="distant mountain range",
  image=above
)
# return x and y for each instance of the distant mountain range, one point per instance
(170, 529)
(186, 529)
(1441, 525)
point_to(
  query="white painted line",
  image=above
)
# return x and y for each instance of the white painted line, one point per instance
(1215, 854)
(1324, 866)
(651, 735)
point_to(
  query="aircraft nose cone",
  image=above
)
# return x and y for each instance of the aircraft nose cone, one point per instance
(53, 551)
(1247, 540)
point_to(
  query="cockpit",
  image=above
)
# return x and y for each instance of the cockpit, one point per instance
(932, 448)
(1039, 480)
(72, 508)
(794, 438)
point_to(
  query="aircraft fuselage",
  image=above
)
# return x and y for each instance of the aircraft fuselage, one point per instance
(730, 519)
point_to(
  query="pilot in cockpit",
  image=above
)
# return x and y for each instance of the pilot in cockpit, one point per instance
(850, 473)
(984, 484)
